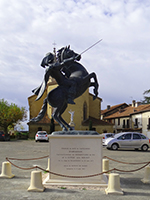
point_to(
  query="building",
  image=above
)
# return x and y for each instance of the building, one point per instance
(133, 117)
(86, 113)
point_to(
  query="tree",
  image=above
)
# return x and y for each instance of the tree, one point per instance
(146, 98)
(10, 114)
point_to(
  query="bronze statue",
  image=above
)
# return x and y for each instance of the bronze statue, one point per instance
(72, 78)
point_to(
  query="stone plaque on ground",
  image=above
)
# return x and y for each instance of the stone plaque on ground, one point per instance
(75, 154)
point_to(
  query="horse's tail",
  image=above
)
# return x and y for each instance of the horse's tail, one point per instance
(41, 113)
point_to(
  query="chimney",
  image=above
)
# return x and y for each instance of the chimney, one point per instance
(137, 103)
(133, 103)
(108, 107)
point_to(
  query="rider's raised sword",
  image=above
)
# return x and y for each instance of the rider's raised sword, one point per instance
(91, 46)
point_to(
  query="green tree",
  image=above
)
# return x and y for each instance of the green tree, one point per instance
(146, 98)
(10, 114)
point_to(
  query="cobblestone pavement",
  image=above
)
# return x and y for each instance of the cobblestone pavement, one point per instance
(16, 188)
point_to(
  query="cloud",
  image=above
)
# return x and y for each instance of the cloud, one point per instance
(121, 61)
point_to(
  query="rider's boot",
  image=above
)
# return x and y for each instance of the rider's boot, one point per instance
(70, 101)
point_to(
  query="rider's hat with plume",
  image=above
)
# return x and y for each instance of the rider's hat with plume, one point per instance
(49, 58)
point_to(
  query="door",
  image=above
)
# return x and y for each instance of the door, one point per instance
(125, 140)
(136, 141)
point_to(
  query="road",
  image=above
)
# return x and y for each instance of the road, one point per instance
(16, 188)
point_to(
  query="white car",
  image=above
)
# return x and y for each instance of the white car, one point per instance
(106, 136)
(41, 136)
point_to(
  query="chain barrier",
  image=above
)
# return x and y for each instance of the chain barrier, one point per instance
(27, 158)
(124, 162)
(88, 176)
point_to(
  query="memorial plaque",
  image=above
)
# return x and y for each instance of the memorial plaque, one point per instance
(75, 155)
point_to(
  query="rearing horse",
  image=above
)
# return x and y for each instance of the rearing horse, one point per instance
(76, 75)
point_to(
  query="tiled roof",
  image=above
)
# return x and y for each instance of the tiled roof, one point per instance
(128, 111)
(95, 122)
(112, 108)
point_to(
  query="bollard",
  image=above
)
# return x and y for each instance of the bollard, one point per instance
(36, 182)
(6, 170)
(48, 167)
(114, 184)
(105, 165)
(146, 178)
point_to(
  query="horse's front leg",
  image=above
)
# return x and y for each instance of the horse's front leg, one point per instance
(94, 84)
(55, 115)
(61, 119)
(95, 90)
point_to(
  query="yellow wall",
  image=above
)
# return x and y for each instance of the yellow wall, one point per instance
(95, 107)
(93, 110)
(35, 106)
(78, 108)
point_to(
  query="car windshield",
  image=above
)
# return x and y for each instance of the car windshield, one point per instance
(117, 135)
(109, 135)
(43, 133)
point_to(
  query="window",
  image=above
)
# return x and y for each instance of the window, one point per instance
(148, 126)
(124, 123)
(136, 121)
(118, 121)
(128, 123)
(143, 136)
(125, 137)
(84, 111)
(136, 136)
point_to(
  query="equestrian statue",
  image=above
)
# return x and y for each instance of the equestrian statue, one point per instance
(72, 79)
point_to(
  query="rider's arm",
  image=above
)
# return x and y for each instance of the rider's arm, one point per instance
(68, 60)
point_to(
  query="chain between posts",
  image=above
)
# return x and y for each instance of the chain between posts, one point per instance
(67, 176)
(124, 162)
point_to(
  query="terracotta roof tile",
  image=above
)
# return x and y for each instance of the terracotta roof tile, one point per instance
(128, 111)
(95, 122)
(112, 108)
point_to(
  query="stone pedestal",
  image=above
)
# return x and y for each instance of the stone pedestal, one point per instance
(75, 153)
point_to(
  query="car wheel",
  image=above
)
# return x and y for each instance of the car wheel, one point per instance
(144, 147)
(114, 146)
(36, 140)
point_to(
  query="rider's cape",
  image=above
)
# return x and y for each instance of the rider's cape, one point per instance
(39, 91)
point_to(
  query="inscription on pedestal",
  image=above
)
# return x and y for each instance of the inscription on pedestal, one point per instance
(75, 155)
(75, 158)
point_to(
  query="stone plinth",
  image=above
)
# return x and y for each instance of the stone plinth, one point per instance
(75, 153)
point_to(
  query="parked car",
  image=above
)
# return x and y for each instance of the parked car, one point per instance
(41, 136)
(107, 135)
(2, 136)
(128, 140)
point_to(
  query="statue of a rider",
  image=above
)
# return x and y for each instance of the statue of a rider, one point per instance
(49, 63)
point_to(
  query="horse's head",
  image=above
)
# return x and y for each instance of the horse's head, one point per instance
(66, 52)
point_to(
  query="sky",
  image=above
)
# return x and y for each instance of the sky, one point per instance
(121, 60)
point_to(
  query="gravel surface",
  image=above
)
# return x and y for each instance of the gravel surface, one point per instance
(16, 188)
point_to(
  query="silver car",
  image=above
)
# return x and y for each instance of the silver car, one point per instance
(130, 140)
(41, 136)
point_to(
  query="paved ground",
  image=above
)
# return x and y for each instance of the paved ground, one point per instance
(16, 188)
